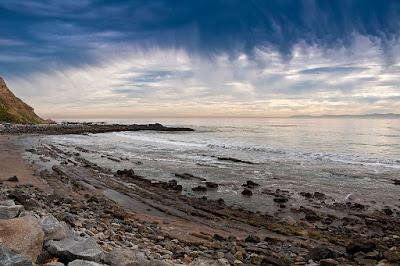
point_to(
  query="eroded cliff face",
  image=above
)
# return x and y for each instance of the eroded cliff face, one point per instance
(13, 109)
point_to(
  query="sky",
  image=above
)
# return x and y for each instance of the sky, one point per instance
(159, 58)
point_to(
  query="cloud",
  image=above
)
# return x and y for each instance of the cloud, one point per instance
(245, 58)
(161, 81)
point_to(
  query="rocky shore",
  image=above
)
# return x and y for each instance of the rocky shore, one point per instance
(81, 128)
(92, 215)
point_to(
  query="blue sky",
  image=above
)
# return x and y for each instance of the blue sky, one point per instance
(98, 58)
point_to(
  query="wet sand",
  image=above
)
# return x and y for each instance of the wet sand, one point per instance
(12, 163)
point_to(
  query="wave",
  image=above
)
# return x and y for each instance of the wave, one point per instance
(315, 156)
(155, 139)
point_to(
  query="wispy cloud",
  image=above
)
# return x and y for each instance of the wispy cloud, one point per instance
(174, 82)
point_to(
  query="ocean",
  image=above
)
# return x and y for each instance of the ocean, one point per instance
(345, 158)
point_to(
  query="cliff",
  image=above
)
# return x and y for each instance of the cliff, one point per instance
(13, 109)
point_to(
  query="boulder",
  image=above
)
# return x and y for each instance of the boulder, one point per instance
(9, 210)
(396, 182)
(53, 229)
(126, 257)
(319, 195)
(247, 192)
(200, 189)
(125, 173)
(360, 244)
(13, 179)
(252, 239)
(84, 263)
(320, 253)
(280, 199)
(23, 235)
(74, 248)
(10, 258)
(250, 184)
(210, 184)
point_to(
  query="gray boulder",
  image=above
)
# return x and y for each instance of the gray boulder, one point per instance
(84, 263)
(54, 264)
(9, 210)
(53, 229)
(76, 248)
(10, 258)
(126, 257)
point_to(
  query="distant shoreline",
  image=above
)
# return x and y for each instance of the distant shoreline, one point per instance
(389, 115)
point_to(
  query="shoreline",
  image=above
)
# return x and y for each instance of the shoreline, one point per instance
(83, 128)
(182, 230)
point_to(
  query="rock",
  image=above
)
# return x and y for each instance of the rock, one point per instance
(393, 254)
(53, 229)
(280, 199)
(250, 184)
(13, 179)
(396, 182)
(10, 258)
(319, 195)
(356, 206)
(307, 195)
(172, 185)
(9, 210)
(7, 203)
(84, 263)
(158, 263)
(238, 255)
(360, 245)
(189, 177)
(387, 211)
(125, 173)
(126, 257)
(328, 262)
(235, 160)
(274, 260)
(56, 263)
(199, 189)
(365, 262)
(247, 192)
(372, 255)
(209, 262)
(211, 185)
(320, 253)
(218, 237)
(312, 216)
(23, 235)
(70, 249)
(252, 239)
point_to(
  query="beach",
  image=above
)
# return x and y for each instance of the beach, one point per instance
(184, 216)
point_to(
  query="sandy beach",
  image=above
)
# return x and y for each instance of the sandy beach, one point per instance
(12, 164)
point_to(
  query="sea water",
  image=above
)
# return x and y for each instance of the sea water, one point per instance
(342, 157)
